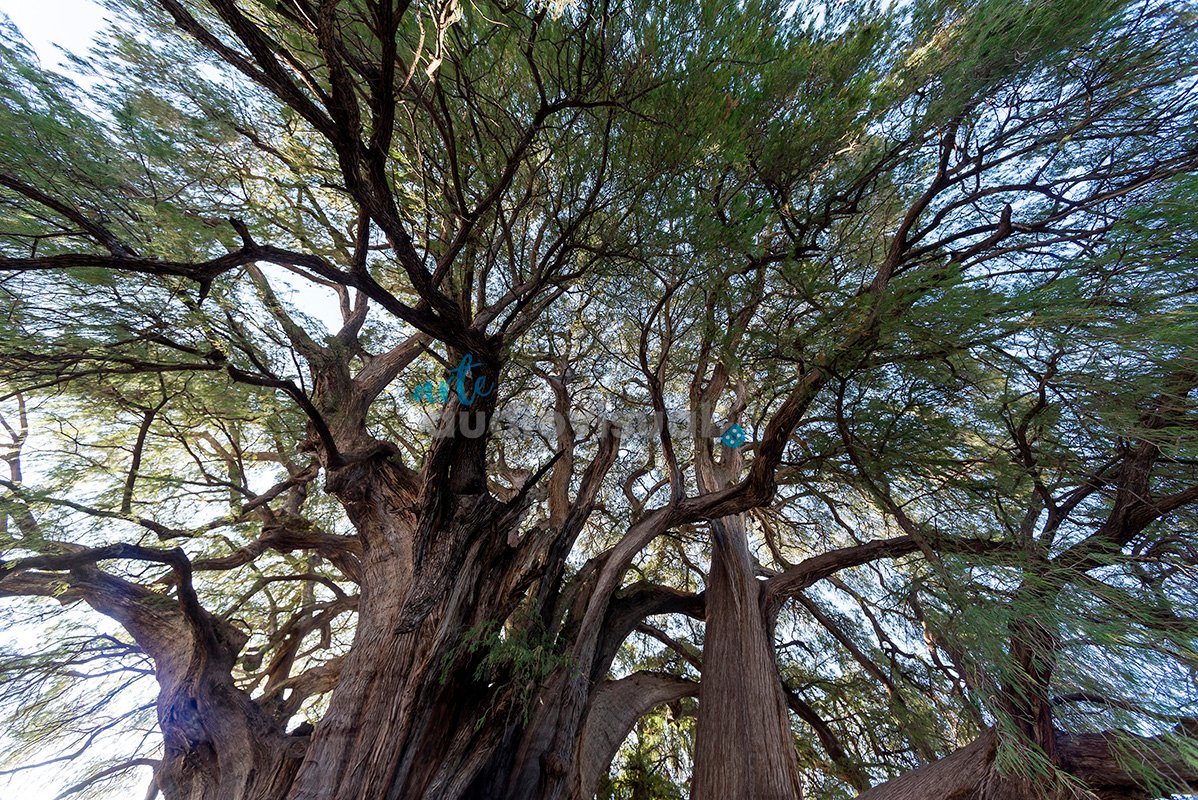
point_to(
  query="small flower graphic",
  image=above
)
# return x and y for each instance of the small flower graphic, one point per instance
(734, 437)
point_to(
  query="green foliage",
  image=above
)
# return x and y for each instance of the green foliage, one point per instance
(653, 762)
(509, 659)
(970, 225)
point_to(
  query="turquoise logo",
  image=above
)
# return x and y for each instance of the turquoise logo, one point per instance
(427, 392)
(734, 437)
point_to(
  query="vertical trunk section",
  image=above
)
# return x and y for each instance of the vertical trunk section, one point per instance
(403, 722)
(219, 746)
(743, 743)
(356, 746)
(217, 743)
(408, 719)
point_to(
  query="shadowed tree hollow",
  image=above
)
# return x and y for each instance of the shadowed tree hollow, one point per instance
(634, 400)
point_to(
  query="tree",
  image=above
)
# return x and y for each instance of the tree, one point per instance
(933, 261)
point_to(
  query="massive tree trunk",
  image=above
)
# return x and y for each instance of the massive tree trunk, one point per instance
(743, 743)
(394, 727)
(218, 745)
(443, 572)
(409, 718)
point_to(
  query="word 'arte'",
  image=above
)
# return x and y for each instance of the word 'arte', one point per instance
(427, 393)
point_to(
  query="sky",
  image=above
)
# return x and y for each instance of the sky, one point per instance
(48, 24)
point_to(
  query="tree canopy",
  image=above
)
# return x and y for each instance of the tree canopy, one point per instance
(933, 260)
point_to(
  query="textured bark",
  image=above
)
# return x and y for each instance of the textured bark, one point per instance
(615, 709)
(406, 720)
(218, 744)
(1093, 759)
(743, 743)
(1096, 759)
(548, 747)
(954, 777)
(410, 716)
(402, 721)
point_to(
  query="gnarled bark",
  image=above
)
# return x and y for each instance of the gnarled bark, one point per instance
(743, 743)
(616, 707)
(218, 744)
(1095, 760)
